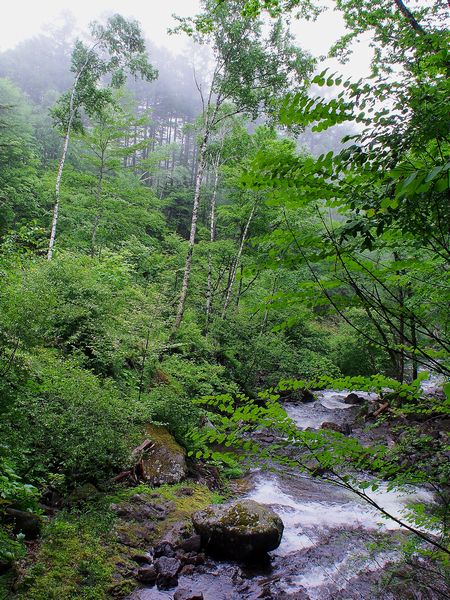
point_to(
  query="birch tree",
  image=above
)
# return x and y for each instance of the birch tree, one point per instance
(252, 67)
(115, 49)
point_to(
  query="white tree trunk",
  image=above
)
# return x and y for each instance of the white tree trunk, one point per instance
(236, 262)
(212, 232)
(188, 264)
(51, 242)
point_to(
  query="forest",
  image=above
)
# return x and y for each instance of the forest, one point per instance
(224, 293)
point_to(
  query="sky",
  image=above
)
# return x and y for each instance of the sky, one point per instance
(25, 18)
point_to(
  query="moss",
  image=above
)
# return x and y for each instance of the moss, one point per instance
(6, 582)
(161, 436)
(80, 557)
(76, 559)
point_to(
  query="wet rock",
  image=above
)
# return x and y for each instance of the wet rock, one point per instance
(265, 438)
(297, 595)
(184, 491)
(141, 511)
(147, 575)
(239, 529)
(185, 594)
(204, 474)
(164, 549)
(187, 570)
(353, 398)
(345, 428)
(304, 396)
(307, 396)
(192, 543)
(167, 570)
(167, 566)
(141, 559)
(24, 522)
(164, 461)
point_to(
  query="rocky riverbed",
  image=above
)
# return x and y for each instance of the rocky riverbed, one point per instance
(334, 546)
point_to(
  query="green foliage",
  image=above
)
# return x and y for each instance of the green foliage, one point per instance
(66, 422)
(13, 491)
(75, 559)
(17, 159)
(116, 48)
(326, 271)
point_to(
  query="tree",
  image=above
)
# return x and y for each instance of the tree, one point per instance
(18, 159)
(106, 152)
(388, 252)
(116, 48)
(251, 71)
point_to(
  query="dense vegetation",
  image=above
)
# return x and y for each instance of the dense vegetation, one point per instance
(203, 247)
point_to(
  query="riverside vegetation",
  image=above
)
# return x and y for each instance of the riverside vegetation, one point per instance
(187, 251)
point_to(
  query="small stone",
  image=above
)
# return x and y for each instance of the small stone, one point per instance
(147, 574)
(185, 491)
(187, 570)
(353, 398)
(166, 583)
(164, 549)
(345, 429)
(141, 558)
(139, 498)
(185, 594)
(167, 567)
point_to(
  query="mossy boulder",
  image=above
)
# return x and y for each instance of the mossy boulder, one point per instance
(165, 461)
(239, 529)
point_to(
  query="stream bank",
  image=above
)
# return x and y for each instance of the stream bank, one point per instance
(335, 546)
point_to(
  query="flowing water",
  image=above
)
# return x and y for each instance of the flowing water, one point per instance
(331, 543)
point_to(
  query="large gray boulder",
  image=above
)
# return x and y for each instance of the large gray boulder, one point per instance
(238, 529)
(164, 461)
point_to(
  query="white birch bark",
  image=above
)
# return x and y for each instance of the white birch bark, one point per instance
(51, 242)
(52, 239)
(188, 263)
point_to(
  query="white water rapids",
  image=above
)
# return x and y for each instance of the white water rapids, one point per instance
(331, 543)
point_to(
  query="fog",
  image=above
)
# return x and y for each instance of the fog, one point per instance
(25, 19)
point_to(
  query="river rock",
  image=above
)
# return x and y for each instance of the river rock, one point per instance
(345, 428)
(192, 543)
(239, 529)
(164, 549)
(307, 396)
(147, 574)
(167, 570)
(353, 398)
(185, 594)
(24, 522)
(164, 461)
